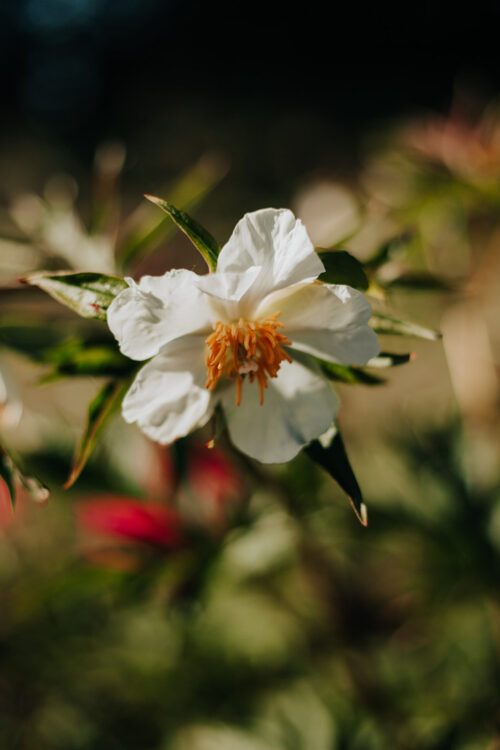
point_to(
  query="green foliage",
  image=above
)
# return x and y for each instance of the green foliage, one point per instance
(346, 374)
(31, 338)
(343, 268)
(360, 375)
(101, 409)
(329, 452)
(203, 241)
(69, 350)
(387, 324)
(88, 294)
(75, 357)
(301, 630)
(12, 474)
(281, 624)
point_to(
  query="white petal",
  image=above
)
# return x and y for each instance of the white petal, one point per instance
(278, 242)
(229, 286)
(225, 291)
(168, 398)
(327, 320)
(299, 405)
(157, 310)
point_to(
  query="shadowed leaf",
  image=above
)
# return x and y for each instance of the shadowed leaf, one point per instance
(76, 358)
(11, 472)
(343, 268)
(348, 374)
(31, 339)
(101, 409)
(331, 455)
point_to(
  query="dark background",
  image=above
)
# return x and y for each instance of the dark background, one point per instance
(282, 91)
(82, 69)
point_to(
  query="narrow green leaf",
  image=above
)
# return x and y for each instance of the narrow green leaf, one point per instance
(11, 472)
(348, 374)
(329, 452)
(101, 409)
(390, 359)
(201, 239)
(145, 230)
(88, 294)
(343, 268)
(386, 324)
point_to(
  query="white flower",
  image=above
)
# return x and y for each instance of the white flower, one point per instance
(242, 337)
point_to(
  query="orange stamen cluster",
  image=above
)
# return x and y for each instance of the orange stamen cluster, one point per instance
(250, 349)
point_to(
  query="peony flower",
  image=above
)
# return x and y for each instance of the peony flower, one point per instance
(244, 337)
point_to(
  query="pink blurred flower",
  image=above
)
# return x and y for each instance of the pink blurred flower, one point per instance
(149, 524)
(470, 149)
(115, 528)
(6, 512)
(212, 477)
(11, 516)
(208, 487)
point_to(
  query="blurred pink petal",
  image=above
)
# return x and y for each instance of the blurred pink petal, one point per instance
(467, 148)
(6, 512)
(147, 523)
(212, 476)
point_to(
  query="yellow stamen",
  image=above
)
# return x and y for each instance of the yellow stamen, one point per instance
(253, 348)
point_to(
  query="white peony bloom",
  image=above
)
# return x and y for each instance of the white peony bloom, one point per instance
(242, 337)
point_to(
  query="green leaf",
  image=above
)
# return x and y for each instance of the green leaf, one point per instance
(389, 359)
(343, 268)
(89, 352)
(11, 472)
(201, 239)
(88, 294)
(348, 374)
(386, 324)
(30, 338)
(329, 452)
(145, 229)
(75, 358)
(103, 406)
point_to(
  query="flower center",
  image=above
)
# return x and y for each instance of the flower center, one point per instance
(250, 349)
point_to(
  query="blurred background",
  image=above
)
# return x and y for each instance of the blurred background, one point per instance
(186, 599)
